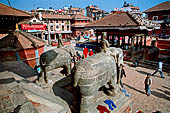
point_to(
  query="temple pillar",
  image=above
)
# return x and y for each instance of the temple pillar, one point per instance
(129, 37)
(136, 48)
(145, 41)
(140, 43)
(118, 41)
(132, 45)
(113, 38)
(97, 39)
(108, 38)
(123, 42)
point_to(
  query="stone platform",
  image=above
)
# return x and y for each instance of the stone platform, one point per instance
(122, 102)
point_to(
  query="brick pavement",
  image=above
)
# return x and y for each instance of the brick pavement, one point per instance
(160, 89)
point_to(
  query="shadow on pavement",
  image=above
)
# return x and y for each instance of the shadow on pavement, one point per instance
(143, 72)
(134, 89)
(64, 93)
(160, 95)
(164, 91)
(6, 80)
(19, 68)
(166, 87)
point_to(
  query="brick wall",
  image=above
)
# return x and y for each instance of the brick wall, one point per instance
(159, 14)
(7, 55)
(27, 56)
(164, 46)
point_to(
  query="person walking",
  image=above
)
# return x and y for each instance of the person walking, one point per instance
(148, 82)
(85, 51)
(122, 74)
(91, 52)
(160, 63)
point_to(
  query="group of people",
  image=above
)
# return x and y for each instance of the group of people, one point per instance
(86, 53)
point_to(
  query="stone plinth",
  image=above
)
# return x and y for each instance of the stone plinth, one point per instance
(123, 103)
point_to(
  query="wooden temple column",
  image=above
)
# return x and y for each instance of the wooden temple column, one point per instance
(140, 43)
(132, 45)
(97, 39)
(123, 42)
(118, 41)
(113, 38)
(108, 37)
(129, 37)
(136, 48)
(145, 41)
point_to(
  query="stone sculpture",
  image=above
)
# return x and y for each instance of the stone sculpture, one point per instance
(117, 54)
(92, 73)
(104, 44)
(59, 57)
(60, 41)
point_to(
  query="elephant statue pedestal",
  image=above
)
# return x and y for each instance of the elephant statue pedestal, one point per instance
(123, 104)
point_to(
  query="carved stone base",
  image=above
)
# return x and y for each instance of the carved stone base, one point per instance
(122, 102)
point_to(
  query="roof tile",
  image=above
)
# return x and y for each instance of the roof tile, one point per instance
(160, 7)
(10, 11)
(21, 40)
(49, 16)
(114, 20)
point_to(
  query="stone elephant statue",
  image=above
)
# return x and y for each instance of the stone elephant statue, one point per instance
(92, 73)
(59, 57)
(117, 54)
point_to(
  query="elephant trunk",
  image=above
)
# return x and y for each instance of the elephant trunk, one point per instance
(76, 79)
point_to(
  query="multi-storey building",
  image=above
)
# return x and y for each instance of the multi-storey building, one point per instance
(73, 11)
(32, 26)
(78, 24)
(96, 13)
(127, 7)
(56, 24)
(161, 14)
(43, 11)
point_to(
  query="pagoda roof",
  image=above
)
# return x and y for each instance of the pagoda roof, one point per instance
(21, 40)
(122, 20)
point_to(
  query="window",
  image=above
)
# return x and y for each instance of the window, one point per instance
(57, 26)
(67, 27)
(34, 20)
(67, 22)
(62, 28)
(52, 36)
(165, 16)
(56, 21)
(51, 28)
(155, 18)
(62, 21)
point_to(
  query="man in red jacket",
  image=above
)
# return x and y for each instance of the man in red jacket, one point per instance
(91, 52)
(85, 51)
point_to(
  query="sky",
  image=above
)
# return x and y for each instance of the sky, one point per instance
(107, 5)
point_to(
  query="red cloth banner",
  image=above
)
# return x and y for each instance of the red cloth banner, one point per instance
(33, 27)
